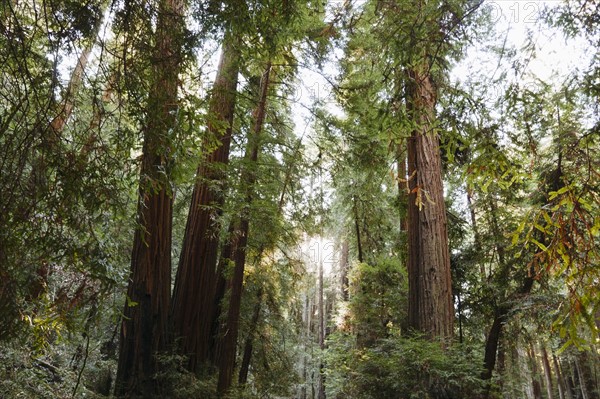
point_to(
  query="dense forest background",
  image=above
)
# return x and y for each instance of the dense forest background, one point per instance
(300, 199)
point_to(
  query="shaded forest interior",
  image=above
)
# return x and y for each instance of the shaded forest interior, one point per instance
(300, 199)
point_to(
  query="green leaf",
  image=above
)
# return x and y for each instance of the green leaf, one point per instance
(539, 244)
(564, 347)
(549, 221)
(540, 228)
(131, 303)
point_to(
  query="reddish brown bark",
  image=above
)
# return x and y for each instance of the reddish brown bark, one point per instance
(193, 297)
(430, 293)
(248, 180)
(143, 330)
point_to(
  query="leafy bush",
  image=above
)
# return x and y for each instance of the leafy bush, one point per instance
(402, 368)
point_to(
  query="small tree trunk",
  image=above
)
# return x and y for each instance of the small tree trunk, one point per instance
(344, 266)
(491, 345)
(477, 237)
(580, 379)
(357, 229)
(501, 362)
(221, 287)
(248, 345)
(305, 335)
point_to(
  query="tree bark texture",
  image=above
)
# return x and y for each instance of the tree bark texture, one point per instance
(193, 295)
(430, 293)
(144, 326)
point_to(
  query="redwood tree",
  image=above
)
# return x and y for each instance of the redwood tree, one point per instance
(430, 307)
(194, 306)
(144, 326)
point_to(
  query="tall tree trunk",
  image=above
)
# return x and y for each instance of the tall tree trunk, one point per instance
(226, 360)
(503, 310)
(144, 326)
(321, 381)
(562, 389)
(547, 371)
(194, 291)
(535, 373)
(493, 337)
(306, 317)
(56, 128)
(430, 293)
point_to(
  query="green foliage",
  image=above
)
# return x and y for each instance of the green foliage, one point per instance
(69, 186)
(398, 367)
(62, 355)
(378, 301)
(270, 284)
